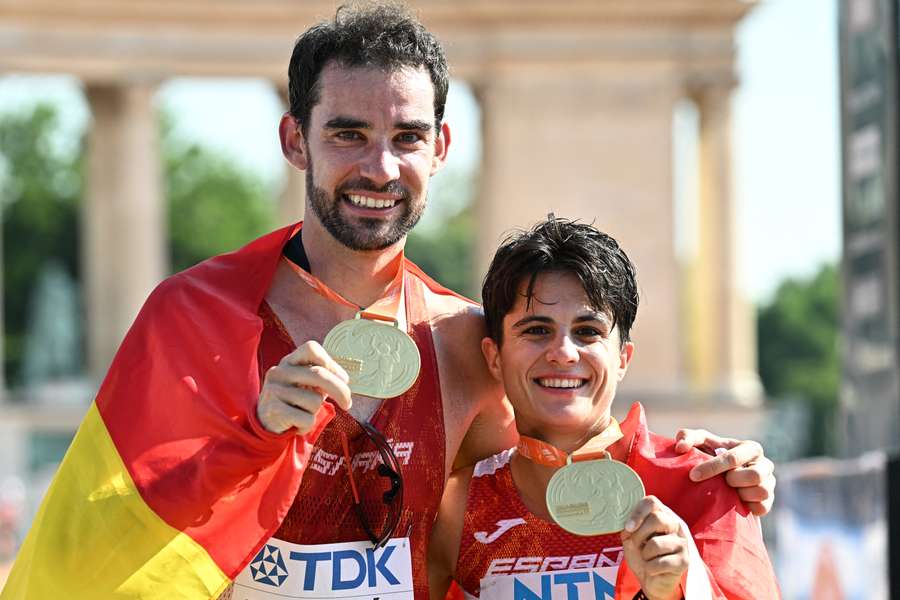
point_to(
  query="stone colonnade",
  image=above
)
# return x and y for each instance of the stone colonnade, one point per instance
(577, 104)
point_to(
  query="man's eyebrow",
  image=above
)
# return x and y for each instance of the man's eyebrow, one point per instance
(417, 125)
(347, 123)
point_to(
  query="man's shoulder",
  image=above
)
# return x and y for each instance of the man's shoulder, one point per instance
(466, 318)
(458, 329)
(455, 318)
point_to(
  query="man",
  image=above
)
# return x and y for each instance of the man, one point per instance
(536, 520)
(214, 406)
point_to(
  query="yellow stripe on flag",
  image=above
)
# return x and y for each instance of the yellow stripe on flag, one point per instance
(94, 537)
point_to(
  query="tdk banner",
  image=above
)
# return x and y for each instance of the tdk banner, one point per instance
(283, 570)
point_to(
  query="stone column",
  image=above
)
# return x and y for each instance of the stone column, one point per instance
(723, 361)
(123, 222)
(592, 144)
(292, 202)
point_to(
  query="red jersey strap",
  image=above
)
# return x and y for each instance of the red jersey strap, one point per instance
(544, 453)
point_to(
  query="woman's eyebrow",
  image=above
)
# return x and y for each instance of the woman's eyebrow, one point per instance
(531, 319)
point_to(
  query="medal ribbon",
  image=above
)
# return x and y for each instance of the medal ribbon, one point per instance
(542, 453)
(386, 308)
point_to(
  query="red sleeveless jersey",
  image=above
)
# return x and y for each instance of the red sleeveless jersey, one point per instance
(502, 537)
(413, 424)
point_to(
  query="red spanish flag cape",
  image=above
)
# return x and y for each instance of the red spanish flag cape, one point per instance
(171, 485)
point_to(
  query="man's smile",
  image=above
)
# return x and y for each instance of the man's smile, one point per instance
(369, 202)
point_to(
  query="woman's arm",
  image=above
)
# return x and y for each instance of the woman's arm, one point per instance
(443, 547)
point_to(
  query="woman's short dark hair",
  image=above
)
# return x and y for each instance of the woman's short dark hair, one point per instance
(384, 35)
(561, 246)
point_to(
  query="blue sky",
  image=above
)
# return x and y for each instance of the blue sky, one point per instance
(786, 130)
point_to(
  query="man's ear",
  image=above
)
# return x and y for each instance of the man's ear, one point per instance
(293, 144)
(625, 355)
(492, 357)
(441, 144)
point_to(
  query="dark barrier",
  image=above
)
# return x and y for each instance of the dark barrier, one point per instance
(893, 512)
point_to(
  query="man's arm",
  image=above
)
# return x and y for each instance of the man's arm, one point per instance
(493, 430)
(478, 420)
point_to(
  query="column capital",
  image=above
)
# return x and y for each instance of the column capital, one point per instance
(711, 91)
(97, 88)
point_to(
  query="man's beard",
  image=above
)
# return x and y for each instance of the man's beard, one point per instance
(365, 234)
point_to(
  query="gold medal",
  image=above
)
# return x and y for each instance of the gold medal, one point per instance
(381, 359)
(593, 497)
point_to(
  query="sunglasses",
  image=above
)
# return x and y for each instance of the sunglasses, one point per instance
(391, 505)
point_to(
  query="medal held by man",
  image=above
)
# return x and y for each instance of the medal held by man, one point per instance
(381, 359)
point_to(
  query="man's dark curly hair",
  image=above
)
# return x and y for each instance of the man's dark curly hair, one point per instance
(561, 246)
(384, 35)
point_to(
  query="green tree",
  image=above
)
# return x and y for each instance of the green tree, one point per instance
(445, 252)
(442, 243)
(798, 351)
(40, 188)
(213, 206)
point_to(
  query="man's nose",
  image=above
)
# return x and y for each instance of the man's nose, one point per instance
(380, 165)
(563, 351)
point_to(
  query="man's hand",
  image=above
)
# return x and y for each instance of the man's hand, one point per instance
(294, 390)
(745, 466)
(656, 548)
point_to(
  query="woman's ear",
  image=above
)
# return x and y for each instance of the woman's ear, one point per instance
(625, 356)
(491, 352)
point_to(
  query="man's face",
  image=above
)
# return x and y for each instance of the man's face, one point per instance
(560, 361)
(371, 146)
